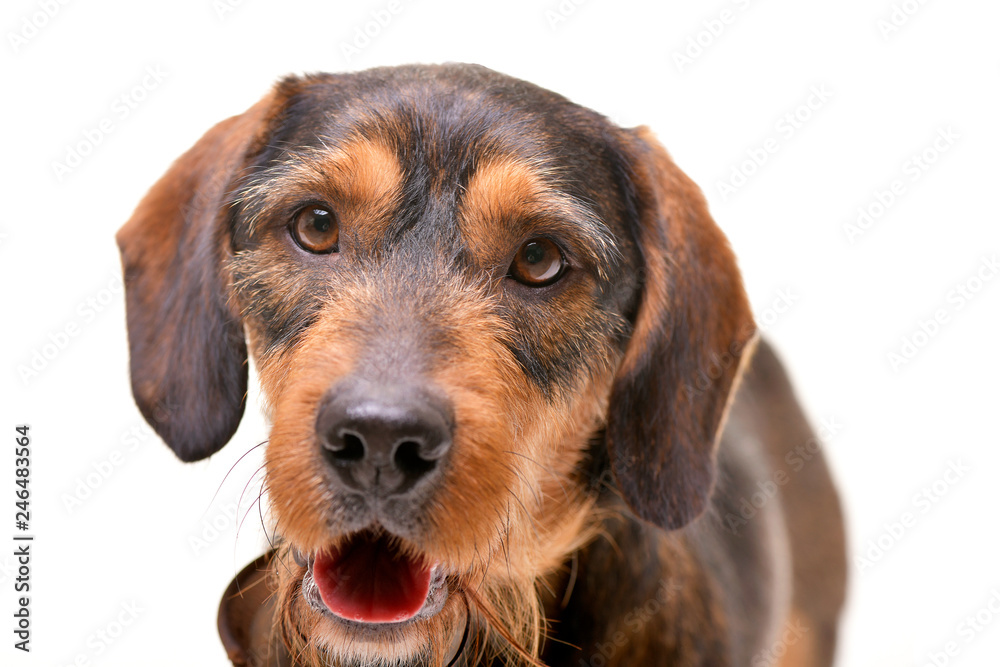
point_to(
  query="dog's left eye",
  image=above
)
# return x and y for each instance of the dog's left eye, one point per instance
(315, 229)
(539, 262)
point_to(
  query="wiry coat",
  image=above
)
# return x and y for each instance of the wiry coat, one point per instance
(590, 507)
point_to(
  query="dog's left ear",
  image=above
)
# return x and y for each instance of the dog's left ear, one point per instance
(692, 328)
(188, 354)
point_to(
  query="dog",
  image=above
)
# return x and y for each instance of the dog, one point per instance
(519, 411)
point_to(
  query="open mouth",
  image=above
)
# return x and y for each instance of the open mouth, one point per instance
(368, 579)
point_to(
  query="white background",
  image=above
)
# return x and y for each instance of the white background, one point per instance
(143, 537)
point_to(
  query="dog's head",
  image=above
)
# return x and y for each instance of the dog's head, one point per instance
(466, 298)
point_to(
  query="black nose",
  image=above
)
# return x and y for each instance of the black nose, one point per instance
(384, 439)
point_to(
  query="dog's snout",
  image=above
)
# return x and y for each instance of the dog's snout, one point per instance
(384, 440)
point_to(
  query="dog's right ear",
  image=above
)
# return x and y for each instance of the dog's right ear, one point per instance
(188, 354)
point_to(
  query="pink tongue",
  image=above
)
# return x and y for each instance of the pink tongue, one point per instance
(367, 580)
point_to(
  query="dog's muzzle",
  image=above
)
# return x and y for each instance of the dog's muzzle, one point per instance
(387, 446)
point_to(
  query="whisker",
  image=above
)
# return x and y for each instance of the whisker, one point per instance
(552, 473)
(239, 526)
(530, 487)
(233, 467)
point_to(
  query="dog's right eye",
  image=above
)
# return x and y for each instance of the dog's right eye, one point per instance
(315, 229)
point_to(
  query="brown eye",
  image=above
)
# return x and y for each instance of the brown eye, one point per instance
(315, 229)
(538, 263)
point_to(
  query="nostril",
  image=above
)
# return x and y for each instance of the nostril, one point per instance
(409, 461)
(346, 448)
(384, 439)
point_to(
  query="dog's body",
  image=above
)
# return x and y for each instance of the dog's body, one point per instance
(498, 337)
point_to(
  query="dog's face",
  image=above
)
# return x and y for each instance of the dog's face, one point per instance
(466, 298)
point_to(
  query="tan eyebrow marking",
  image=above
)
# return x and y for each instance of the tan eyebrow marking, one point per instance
(505, 197)
(363, 178)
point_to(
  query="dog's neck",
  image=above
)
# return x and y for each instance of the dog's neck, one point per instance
(597, 603)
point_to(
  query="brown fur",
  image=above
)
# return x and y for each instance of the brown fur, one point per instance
(362, 175)
(580, 514)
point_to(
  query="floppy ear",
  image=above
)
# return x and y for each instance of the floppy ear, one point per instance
(188, 354)
(692, 327)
